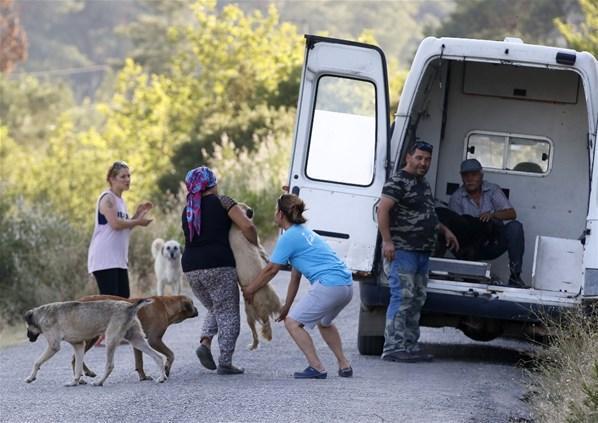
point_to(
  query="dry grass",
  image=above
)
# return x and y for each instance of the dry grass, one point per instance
(565, 380)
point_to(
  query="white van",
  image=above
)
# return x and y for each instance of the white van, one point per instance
(528, 113)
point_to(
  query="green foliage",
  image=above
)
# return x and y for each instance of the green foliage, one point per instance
(28, 108)
(43, 258)
(582, 37)
(494, 20)
(254, 177)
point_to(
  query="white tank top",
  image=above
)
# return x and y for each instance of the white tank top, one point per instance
(109, 248)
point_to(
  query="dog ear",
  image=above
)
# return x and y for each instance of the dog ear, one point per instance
(28, 316)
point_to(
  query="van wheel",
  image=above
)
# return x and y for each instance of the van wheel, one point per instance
(370, 345)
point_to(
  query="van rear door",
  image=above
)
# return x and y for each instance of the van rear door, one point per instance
(341, 144)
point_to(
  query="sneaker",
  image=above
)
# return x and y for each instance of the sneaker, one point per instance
(403, 357)
(346, 372)
(310, 373)
(424, 356)
(230, 370)
(205, 357)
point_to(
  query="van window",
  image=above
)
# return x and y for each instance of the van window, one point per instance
(508, 152)
(342, 142)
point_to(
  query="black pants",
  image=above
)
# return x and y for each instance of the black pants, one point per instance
(483, 240)
(113, 282)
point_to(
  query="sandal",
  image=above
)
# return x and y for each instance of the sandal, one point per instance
(346, 372)
(310, 373)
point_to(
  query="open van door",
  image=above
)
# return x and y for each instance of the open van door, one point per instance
(341, 145)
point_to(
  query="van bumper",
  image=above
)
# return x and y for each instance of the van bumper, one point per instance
(458, 304)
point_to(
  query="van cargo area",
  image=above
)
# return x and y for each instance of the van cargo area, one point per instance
(527, 113)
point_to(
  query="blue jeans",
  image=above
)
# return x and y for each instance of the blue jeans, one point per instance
(408, 281)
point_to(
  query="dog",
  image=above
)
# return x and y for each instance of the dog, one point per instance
(250, 260)
(155, 318)
(167, 265)
(76, 321)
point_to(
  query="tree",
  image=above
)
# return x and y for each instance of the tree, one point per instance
(13, 40)
(585, 35)
(529, 19)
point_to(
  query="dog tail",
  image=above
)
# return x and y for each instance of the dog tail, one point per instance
(157, 247)
(134, 308)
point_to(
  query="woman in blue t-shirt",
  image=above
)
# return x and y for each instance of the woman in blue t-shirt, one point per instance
(331, 286)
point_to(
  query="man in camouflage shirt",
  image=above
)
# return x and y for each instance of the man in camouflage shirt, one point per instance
(408, 224)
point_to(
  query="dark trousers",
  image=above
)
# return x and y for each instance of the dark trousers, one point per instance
(483, 240)
(113, 282)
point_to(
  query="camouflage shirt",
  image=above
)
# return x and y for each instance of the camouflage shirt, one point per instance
(413, 220)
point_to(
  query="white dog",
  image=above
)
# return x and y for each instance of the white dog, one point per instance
(167, 265)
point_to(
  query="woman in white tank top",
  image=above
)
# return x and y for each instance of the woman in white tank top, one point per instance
(108, 252)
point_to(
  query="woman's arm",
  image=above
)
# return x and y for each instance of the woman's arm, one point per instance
(260, 281)
(108, 209)
(239, 218)
(291, 293)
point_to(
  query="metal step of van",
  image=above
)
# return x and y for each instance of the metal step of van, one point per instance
(460, 268)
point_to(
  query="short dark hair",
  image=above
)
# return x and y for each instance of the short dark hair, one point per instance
(420, 145)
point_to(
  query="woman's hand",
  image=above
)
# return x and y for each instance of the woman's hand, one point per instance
(143, 209)
(248, 294)
(284, 310)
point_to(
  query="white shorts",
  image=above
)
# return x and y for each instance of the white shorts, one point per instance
(321, 304)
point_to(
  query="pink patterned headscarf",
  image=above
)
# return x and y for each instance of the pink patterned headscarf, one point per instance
(197, 180)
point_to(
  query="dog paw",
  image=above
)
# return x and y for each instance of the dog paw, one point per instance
(29, 379)
(252, 346)
(98, 384)
(82, 382)
(161, 379)
(71, 384)
(90, 374)
(143, 378)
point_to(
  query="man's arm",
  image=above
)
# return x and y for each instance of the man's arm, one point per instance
(383, 214)
(502, 206)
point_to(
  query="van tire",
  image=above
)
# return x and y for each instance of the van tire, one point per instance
(370, 345)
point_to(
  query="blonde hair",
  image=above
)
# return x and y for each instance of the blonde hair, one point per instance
(292, 207)
(116, 167)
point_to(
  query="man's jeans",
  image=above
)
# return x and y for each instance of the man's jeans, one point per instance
(408, 280)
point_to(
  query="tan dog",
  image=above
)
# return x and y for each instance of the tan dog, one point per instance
(250, 260)
(75, 322)
(155, 319)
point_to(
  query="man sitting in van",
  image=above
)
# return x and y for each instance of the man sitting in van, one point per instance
(483, 220)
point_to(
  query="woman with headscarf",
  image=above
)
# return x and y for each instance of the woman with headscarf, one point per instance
(209, 264)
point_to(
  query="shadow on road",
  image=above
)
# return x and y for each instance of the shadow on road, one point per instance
(479, 353)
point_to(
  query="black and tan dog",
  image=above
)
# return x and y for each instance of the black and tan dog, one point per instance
(155, 319)
(76, 321)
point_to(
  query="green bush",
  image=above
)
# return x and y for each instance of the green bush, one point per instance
(254, 177)
(43, 258)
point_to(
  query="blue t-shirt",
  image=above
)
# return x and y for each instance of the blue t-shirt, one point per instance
(307, 252)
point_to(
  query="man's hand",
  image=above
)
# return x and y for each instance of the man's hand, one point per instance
(143, 209)
(451, 240)
(388, 250)
(486, 217)
(284, 310)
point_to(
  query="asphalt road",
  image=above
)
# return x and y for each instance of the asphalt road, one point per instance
(468, 382)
